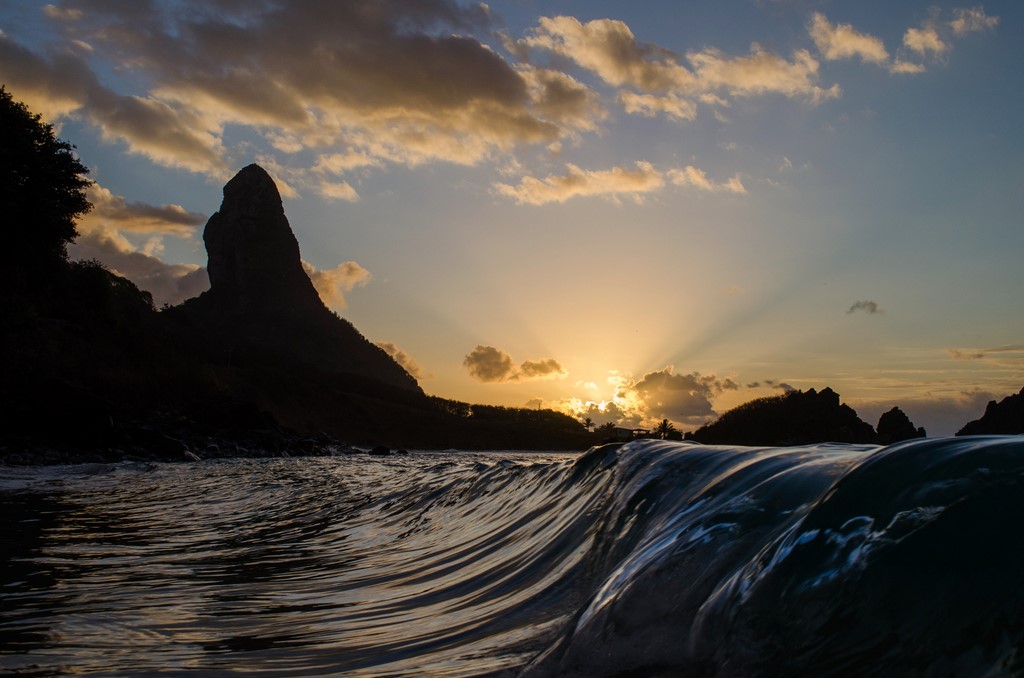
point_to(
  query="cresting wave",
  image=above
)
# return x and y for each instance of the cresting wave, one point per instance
(651, 558)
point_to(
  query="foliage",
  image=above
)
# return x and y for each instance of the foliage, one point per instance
(42, 189)
(796, 418)
(665, 429)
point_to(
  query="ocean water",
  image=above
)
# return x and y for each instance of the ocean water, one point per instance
(651, 558)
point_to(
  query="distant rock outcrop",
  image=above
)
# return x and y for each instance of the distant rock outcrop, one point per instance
(254, 261)
(261, 309)
(1004, 417)
(895, 425)
(795, 418)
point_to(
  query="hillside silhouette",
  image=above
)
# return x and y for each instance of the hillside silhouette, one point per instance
(1004, 417)
(261, 308)
(794, 418)
(257, 365)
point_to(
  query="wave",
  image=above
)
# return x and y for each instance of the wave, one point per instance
(649, 558)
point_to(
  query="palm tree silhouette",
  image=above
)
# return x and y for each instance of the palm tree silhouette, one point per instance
(664, 428)
(588, 423)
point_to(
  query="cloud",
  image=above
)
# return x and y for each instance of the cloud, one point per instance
(138, 217)
(761, 72)
(493, 365)
(546, 368)
(869, 307)
(390, 81)
(101, 237)
(930, 40)
(614, 183)
(772, 383)
(649, 105)
(692, 176)
(908, 67)
(64, 84)
(924, 41)
(338, 190)
(490, 365)
(560, 97)
(62, 13)
(685, 399)
(841, 41)
(933, 39)
(1006, 356)
(608, 48)
(402, 358)
(972, 20)
(332, 283)
(168, 283)
(654, 81)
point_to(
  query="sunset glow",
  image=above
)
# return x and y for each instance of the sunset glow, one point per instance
(625, 212)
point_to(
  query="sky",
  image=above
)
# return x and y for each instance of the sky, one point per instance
(625, 211)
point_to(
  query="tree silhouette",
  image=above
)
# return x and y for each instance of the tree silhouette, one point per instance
(665, 428)
(588, 423)
(42, 190)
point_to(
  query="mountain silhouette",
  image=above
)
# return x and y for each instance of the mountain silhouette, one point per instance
(1006, 416)
(262, 308)
(795, 418)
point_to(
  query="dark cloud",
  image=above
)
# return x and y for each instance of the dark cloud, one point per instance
(489, 364)
(541, 369)
(493, 365)
(168, 283)
(65, 84)
(401, 81)
(869, 307)
(1007, 356)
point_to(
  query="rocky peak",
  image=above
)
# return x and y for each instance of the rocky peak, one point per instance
(895, 425)
(261, 308)
(253, 255)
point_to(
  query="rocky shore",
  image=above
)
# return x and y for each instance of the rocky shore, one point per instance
(173, 439)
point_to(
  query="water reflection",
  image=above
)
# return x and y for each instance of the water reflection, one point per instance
(437, 563)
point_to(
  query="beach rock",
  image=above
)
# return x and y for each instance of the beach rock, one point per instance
(894, 426)
(380, 451)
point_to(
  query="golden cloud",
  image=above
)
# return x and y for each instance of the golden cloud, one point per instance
(613, 184)
(137, 217)
(332, 283)
(609, 49)
(761, 72)
(841, 41)
(684, 399)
